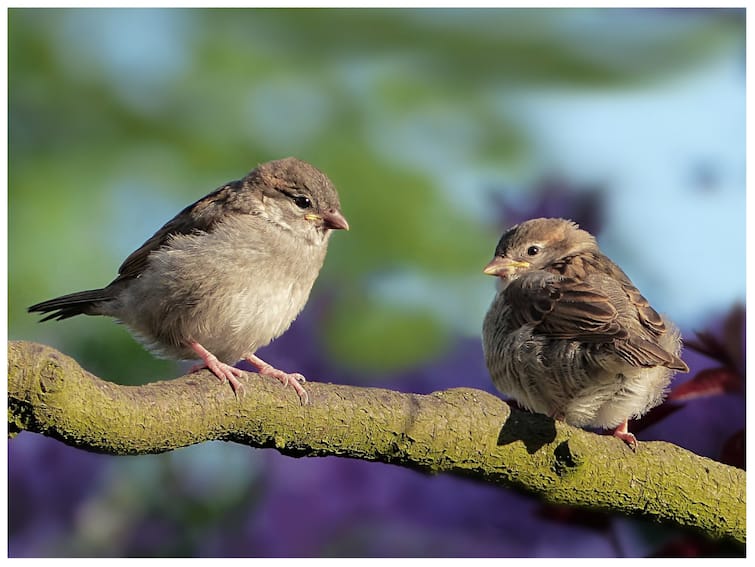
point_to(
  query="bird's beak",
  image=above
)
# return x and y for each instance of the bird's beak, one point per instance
(504, 267)
(332, 219)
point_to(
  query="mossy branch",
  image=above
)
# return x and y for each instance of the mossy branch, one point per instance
(461, 431)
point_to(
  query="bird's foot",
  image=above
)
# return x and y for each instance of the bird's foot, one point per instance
(220, 369)
(293, 379)
(622, 432)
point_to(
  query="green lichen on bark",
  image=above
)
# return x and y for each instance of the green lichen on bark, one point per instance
(460, 431)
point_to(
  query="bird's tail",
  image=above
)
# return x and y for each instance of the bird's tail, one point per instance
(65, 306)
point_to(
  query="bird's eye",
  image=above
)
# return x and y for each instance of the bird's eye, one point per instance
(302, 202)
(533, 250)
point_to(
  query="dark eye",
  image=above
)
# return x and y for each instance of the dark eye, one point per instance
(533, 250)
(302, 202)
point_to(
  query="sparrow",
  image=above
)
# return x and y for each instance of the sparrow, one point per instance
(226, 275)
(568, 334)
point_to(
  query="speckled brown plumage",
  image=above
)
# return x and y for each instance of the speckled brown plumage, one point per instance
(569, 335)
(227, 275)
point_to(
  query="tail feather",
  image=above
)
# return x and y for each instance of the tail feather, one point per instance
(65, 306)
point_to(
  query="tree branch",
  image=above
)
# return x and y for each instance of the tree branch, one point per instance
(462, 431)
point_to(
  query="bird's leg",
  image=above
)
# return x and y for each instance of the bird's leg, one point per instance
(220, 369)
(294, 379)
(622, 432)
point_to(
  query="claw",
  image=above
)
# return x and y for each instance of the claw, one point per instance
(220, 369)
(622, 432)
(294, 379)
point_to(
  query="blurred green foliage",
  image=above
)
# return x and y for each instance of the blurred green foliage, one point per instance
(120, 117)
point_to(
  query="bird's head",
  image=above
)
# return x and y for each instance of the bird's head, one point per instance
(299, 197)
(537, 244)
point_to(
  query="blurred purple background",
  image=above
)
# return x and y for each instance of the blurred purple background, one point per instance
(247, 502)
(440, 128)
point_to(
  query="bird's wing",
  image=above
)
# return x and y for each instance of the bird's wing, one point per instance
(588, 311)
(200, 216)
(649, 317)
(563, 308)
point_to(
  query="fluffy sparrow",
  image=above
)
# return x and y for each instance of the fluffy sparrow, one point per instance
(568, 334)
(225, 276)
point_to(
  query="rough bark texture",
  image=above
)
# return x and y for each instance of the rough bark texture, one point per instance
(461, 431)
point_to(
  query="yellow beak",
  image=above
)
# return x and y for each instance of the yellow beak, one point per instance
(504, 267)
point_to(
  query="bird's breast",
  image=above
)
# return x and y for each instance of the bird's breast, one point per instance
(233, 290)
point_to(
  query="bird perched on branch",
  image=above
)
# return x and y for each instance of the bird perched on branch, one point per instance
(568, 334)
(225, 276)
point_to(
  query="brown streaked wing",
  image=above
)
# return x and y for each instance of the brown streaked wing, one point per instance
(648, 316)
(563, 308)
(201, 215)
(643, 353)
